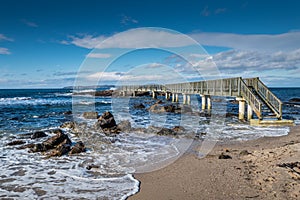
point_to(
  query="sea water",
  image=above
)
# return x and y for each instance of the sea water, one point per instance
(31, 176)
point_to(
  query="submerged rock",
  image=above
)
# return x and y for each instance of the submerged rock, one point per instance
(15, 142)
(294, 100)
(166, 131)
(62, 148)
(139, 106)
(38, 134)
(142, 93)
(77, 148)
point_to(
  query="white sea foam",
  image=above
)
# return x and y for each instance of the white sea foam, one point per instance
(32, 101)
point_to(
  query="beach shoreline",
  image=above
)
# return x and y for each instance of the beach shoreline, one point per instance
(265, 168)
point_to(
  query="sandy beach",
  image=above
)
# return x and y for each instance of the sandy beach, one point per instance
(266, 168)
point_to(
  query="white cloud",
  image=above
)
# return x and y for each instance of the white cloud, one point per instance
(259, 42)
(98, 55)
(85, 41)
(29, 23)
(136, 38)
(155, 38)
(5, 38)
(4, 51)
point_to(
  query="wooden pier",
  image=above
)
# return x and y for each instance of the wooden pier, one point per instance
(247, 91)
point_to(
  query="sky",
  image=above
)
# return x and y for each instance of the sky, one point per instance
(57, 43)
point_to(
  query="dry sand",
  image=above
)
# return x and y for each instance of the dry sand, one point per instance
(246, 176)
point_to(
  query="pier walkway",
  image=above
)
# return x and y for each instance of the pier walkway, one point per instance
(248, 91)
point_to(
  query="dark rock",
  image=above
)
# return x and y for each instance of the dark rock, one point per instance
(104, 93)
(27, 146)
(54, 141)
(106, 120)
(69, 112)
(244, 153)
(61, 149)
(15, 142)
(159, 102)
(224, 156)
(169, 108)
(142, 93)
(139, 106)
(77, 148)
(38, 134)
(40, 147)
(89, 167)
(124, 126)
(69, 125)
(234, 101)
(178, 129)
(166, 131)
(15, 118)
(90, 115)
(294, 100)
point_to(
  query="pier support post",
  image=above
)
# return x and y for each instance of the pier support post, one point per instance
(184, 98)
(188, 99)
(241, 108)
(173, 97)
(203, 101)
(154, 96)
(124, 93)
(176, 97)
(249, 112)
(167, 95)
(208, 102)
(133, 93)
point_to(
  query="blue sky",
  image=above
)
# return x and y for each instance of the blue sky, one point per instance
(46, 44)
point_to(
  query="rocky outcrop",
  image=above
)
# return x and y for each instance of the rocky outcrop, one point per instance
(107, 123)
(57, 145)
(139, 106)
(15, 142)
(77, 148)
(38, 134)
(142, 93)
(294, 100)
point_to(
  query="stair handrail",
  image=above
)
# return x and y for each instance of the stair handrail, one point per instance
(274, 103)
(250, 97)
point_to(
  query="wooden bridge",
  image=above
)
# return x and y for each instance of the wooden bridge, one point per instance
(259, 99)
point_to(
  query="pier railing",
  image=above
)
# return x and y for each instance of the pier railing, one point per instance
(252, 90)
(269, 98)
(250, 97)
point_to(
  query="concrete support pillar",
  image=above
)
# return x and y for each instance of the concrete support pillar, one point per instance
(173, 97)
(154, 96)
(241, 108)
(184, 98)
(249, 112)
(188, 99)
(203, 100)
(208, 102)
(166, 94)
(133, 94)
(124, 93)
(176, 98)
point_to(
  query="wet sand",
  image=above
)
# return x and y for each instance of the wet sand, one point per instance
(268, 171)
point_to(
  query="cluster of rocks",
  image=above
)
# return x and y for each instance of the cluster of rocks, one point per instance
(57, 145)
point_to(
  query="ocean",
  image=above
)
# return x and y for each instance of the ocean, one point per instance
(27, 175)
